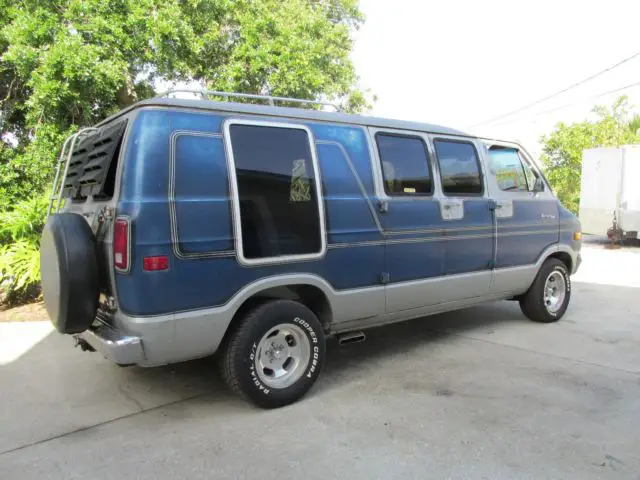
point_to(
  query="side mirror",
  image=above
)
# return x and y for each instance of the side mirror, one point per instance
(538, 185)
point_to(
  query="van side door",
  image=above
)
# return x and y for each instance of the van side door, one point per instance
(410, 217)
(468, 216)
(526, 214)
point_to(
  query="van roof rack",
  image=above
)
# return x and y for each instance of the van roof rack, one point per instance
(205, 94)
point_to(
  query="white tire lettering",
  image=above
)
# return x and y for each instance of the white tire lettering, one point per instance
(252, 371)
(314, 361)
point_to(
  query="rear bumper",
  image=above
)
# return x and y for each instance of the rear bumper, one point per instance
(120, 349)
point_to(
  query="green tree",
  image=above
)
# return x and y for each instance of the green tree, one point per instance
(20, 228)
(65, 64)
(562, 148)
(634, 124)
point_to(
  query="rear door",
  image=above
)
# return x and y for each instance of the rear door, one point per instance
(90, 188)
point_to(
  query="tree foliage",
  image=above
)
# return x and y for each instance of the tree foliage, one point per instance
(65, 64)
(562, 148)
(20, 228)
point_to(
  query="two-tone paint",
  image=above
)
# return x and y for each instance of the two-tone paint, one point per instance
(384, 258)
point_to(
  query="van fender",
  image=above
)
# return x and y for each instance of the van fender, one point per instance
(553, 250)
(351, 304)
(197, 333)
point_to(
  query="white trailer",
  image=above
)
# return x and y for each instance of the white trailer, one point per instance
(609, 190)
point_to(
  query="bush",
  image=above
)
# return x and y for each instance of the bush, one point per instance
(20, 229)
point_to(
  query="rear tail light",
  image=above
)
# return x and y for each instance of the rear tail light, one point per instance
(121, 244)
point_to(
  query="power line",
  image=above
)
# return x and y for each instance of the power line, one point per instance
(537, 114)
(491, 120)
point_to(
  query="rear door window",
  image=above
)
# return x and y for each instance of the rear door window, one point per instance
(460, 171)
(280, 211)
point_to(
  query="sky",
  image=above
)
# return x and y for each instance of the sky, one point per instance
(458, 63)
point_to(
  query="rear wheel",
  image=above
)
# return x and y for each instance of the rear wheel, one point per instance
(274, 354)
(548, 297)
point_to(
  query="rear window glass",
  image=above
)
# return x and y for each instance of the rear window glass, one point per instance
(459, 168)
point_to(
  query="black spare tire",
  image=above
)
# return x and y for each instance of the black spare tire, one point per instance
(69, 270)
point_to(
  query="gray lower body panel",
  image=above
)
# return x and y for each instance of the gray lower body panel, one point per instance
(177, 337)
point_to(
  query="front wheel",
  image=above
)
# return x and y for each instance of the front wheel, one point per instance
(274, 354)
(547, 299)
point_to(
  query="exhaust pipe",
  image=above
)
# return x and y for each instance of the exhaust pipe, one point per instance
(351, 337)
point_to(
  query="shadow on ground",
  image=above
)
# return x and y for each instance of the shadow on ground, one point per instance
(54, 388)
(401, 339)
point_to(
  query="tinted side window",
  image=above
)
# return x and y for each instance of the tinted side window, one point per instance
(508, 168)
(459, 168)
(405, 165)
(279, 212)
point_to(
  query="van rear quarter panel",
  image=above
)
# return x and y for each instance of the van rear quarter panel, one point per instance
(203, 214)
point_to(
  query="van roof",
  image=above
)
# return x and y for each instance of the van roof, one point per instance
(288, 112)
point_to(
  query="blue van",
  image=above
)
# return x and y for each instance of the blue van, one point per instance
(254, 232)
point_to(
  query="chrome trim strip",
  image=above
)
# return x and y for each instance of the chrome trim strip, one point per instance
(553, 225)
(438, 230)
(529, 232)
(446, 237)
(527, 224)
(370, 243)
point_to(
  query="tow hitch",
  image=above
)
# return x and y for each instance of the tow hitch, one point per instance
(82, 343)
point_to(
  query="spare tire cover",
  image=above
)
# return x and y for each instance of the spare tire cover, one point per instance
(69, 270)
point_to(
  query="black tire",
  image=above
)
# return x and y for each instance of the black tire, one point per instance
(69, 271)
(532, 302)
(238, 353)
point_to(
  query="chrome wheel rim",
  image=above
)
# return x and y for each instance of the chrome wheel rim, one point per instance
(282, 355)
(555, 290)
